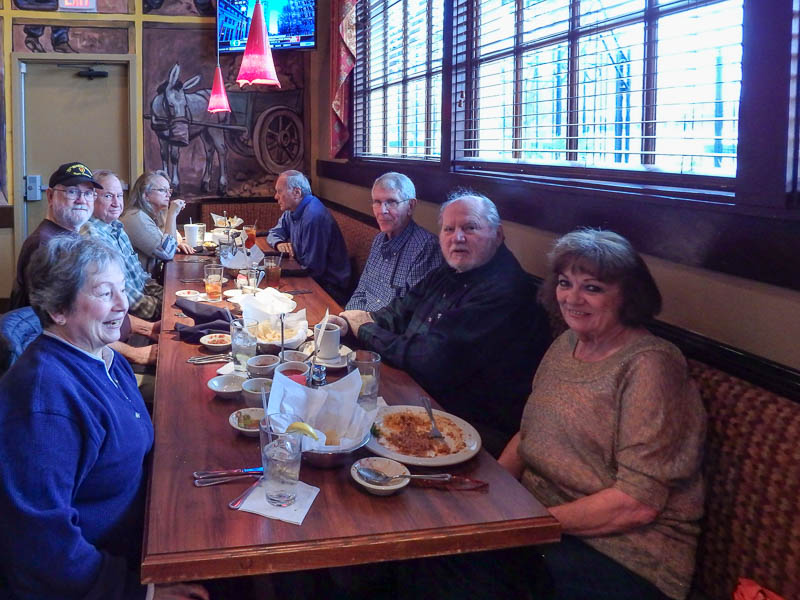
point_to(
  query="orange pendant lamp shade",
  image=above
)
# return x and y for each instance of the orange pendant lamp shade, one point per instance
(218, 102)
(257, 65)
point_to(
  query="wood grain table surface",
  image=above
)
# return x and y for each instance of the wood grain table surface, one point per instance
(191, 534)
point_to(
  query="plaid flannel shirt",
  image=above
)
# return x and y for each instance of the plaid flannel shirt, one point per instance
(144, 294)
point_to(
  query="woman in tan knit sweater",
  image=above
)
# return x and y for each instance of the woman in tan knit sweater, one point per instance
(612, 435)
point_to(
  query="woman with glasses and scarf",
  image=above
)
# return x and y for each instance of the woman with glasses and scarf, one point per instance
(150, 221)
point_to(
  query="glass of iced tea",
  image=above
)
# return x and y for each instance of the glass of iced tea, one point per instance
(272, 266)
(213, 281)
(250, 232)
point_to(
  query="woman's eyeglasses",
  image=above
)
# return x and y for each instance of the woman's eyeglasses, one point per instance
(165, 191)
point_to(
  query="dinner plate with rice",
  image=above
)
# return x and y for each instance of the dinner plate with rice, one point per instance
(402, 434)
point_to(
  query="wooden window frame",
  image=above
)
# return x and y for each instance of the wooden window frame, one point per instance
(748, 226)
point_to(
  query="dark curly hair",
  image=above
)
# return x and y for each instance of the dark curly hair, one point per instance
(610, 258)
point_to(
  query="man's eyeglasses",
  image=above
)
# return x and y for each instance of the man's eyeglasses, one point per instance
(74, 193)
(165, 191)
(389, 204)
(109, 196)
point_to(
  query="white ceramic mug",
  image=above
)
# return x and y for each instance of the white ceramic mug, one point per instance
(327, 343)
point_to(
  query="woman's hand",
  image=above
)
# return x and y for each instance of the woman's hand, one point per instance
(175, 206)
(144, 355)
(185, 248)
(180, 591)
(355, 319)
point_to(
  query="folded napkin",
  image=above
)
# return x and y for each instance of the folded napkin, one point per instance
(192, 334)
(207, 319)
(257, 503)
(203, 313)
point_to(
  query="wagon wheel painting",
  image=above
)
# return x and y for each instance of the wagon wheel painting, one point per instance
(239, 140)
(278, 139)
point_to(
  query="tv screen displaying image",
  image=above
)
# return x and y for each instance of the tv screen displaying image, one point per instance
(290, 23)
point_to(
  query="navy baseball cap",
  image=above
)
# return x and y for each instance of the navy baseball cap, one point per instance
(72, 174)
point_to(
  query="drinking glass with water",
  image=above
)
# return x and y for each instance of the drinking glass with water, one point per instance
(280, 457)
(244, 342)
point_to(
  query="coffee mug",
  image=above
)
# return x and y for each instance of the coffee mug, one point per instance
(328, 343)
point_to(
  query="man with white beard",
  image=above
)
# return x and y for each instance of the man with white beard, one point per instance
(70, 202)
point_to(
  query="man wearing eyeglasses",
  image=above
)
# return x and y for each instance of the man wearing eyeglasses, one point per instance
(402, 253)
(307, 231)
(70, 201)
(145, 294)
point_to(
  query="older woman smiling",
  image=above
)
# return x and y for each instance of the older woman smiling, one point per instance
(611, 437)
(74, 434)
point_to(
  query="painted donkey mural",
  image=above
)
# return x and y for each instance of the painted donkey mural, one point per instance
(177, 117)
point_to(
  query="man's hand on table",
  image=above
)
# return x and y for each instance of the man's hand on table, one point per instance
(180, 591)
(145, 328)
(285, 247)
(352, 320)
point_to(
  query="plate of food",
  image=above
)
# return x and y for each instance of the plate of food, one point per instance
(401, 433)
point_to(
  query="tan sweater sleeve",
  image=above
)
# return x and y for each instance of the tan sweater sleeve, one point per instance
(659, 430)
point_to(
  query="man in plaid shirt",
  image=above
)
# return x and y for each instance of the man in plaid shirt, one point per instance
(402, 253)
(144, 294)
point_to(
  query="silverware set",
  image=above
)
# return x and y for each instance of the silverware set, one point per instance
(210, 358)
(193, 280)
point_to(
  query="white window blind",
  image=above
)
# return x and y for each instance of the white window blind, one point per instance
(398, 80)
(611, 84)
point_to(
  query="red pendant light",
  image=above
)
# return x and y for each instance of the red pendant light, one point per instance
(257, 65)
(218, 102)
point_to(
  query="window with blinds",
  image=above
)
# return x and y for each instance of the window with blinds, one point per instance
(398, 79)
(610, 84)
(613, 84)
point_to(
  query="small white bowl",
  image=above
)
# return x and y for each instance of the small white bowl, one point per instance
(262, 365)
(188, 294)
(255, 414)
(219, 342)
(385, 465)
(292, 366)
(293, 355)
(251, 390)
(226, 386)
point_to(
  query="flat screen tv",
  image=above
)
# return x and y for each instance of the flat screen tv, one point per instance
(291, 24)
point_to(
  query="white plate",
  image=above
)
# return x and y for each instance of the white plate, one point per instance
(330, 363)
(472, 439)
(202, 297)
(232, 293)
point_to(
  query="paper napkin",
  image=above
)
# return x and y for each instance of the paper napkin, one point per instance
(257, 503)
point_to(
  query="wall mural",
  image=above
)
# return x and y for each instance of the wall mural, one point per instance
(46, 38)
(180, 7)
(3, 188)
(206, 155)
(103, 6)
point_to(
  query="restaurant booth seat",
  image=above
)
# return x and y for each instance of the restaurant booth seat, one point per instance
(751, 526)
(358, 230)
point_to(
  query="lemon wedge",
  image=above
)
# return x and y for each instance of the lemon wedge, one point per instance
(300, 427)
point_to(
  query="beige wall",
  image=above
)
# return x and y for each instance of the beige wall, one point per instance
(754, 317)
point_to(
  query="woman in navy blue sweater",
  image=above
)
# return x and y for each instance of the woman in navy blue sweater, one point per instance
(74, 435)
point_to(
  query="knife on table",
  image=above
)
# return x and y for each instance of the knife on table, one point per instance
(226, 472)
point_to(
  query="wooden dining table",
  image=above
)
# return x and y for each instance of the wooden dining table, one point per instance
(191, 534)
